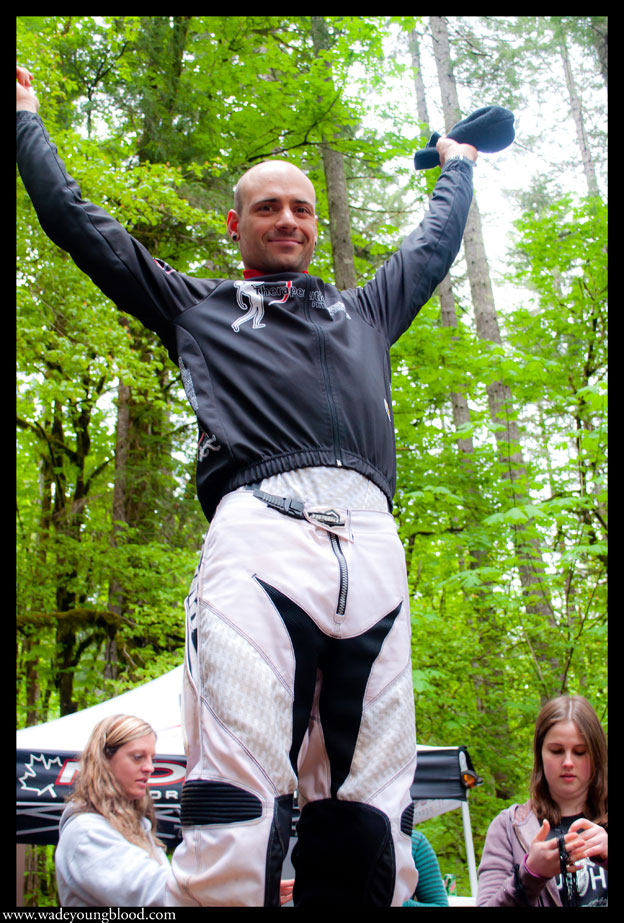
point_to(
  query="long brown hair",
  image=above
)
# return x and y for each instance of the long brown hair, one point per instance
(97, 789)
(571, 708)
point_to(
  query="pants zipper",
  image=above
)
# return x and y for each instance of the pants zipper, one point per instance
(344, 574)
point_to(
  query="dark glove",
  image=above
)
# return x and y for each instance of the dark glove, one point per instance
(488, 129)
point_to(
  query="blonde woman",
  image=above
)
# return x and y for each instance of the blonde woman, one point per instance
(107, 853)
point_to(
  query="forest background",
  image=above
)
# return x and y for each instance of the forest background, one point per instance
(499, 387)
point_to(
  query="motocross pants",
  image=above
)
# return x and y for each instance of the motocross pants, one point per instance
(298, 682)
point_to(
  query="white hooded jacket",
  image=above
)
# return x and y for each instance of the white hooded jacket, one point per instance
(96, 866)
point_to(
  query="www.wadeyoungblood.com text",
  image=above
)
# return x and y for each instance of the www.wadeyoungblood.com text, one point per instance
(111, 913)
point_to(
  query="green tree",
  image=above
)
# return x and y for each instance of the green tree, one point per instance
(157, 117)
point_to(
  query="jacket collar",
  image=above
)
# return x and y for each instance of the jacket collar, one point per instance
(253, 273)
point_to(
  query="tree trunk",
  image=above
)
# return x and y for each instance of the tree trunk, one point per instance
(336, 182)
(577, 114)
(339, 219)
(116, 595)
(530, 566)
(477, 558)
(448, 315)
(600, 29)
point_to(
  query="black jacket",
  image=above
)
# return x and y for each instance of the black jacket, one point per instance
(283, 371)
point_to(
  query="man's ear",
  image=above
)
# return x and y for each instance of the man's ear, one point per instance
(232, 224)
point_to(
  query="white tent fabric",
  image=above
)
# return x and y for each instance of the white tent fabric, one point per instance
(157, 702)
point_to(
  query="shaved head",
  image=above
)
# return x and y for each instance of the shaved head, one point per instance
(274, 218)
(266, 171)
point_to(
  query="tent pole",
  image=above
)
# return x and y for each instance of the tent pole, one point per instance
(470, 855)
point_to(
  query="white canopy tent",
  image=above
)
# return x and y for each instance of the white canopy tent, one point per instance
(157, 702)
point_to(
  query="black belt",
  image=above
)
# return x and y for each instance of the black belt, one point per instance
(291, 506)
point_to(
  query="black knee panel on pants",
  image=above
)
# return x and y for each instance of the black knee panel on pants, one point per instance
(277, 848)
(344, 856)
(211, 802)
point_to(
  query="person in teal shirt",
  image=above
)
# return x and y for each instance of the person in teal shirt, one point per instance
(430, 888)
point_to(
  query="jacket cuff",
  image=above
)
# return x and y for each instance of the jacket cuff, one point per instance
(465, 165)
(533, 885)
(26, 113)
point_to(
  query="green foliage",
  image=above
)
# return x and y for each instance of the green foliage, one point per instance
(157, 117)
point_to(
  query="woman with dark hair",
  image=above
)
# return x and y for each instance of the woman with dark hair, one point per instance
(107, 853)
(552, 851)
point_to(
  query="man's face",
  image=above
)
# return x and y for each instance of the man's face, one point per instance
(276, 226)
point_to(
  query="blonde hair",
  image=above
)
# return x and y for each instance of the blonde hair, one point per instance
(97, 790)
(577, 709)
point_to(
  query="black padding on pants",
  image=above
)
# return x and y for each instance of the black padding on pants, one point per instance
(346, 664)
(307, 642)
(277, 849)
(407, 820)
(208, 802)
(344, 856)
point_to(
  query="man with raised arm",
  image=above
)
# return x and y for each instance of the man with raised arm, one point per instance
(297, 670)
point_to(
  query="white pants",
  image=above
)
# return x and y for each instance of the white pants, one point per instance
(297, 678)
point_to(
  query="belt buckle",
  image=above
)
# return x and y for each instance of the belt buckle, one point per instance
(330, 518)
(288, 506)
(293, 507)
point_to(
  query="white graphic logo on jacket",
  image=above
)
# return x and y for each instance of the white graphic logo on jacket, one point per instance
(250, 298)
(206, 445)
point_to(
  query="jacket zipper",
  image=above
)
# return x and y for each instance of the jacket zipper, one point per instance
(343, 588)
(323, 357)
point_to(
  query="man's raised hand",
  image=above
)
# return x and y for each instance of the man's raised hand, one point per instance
(26, 98)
